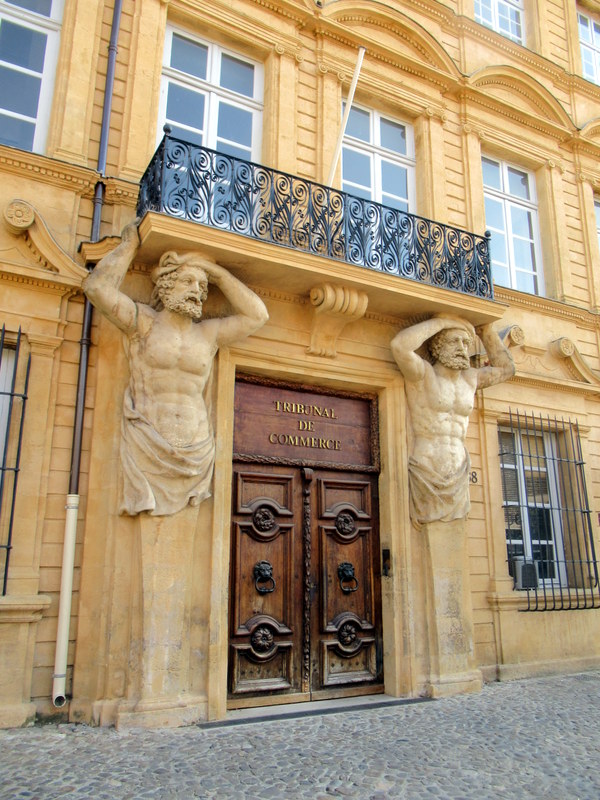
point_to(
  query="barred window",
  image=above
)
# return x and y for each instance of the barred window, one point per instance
(503, 16)
(549, 540)
(14, 378)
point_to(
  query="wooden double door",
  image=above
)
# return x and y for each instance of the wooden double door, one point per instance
(305, 596)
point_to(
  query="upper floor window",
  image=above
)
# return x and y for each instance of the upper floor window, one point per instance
(211, 96)
(503, 16)
(378, 160)
(589, 38)
(597, 210)
(511, 216)
(29, 39)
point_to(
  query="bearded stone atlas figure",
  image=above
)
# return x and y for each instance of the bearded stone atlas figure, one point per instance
(440, 399)
(167, 444)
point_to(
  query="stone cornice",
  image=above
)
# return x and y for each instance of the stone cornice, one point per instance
(47, 170)
(546, 306)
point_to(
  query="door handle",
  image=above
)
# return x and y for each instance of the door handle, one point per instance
(264, 581)
(347, 578)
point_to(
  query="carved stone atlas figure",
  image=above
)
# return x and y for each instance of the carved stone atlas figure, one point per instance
(440, 398)
(167, 445)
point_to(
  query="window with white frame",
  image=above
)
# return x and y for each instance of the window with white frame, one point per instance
(29, 40)
(211, 96)
(378, 161)
(597, 210)
(530, 485)
(589, 39)
(549, 537)
(503, 16)
(511, 215)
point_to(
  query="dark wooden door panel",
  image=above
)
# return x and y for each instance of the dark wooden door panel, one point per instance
(347, 629)
(305, 599)
(265, 606)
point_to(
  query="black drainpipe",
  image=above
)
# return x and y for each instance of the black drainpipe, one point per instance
(95, 236)
(64, 612)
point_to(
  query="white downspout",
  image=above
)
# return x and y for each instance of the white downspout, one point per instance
(64, 609)
(349, 101)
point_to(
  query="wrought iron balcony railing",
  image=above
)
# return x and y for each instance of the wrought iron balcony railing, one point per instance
(191, 182)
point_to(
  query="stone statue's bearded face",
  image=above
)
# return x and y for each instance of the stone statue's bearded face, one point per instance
(183, 291)
(451, 348)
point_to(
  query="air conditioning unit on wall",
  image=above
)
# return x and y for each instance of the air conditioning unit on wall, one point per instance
(526, 574)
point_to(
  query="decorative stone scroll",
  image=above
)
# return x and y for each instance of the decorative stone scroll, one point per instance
(334, 308)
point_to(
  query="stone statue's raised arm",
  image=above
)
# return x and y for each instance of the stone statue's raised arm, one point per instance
(502, 366)
(250, 311)
(405, 344)
(102, 285)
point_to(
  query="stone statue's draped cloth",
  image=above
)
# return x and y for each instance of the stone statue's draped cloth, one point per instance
(436, 498)
(158, 477)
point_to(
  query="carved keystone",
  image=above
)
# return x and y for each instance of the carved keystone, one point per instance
(334, 307)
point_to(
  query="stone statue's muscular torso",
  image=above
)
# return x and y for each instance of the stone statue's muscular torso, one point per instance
(440, 406)
(169, 369)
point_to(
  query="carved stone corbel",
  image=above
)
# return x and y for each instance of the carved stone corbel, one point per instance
(334, 308)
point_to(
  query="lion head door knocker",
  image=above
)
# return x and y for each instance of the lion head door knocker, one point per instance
(348, 580)
(263, 577)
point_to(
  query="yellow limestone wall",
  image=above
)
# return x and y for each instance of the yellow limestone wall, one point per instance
(467, 91)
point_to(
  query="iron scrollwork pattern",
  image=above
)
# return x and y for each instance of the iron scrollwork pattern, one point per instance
(264, 581)
(347, 578)
(191, 182)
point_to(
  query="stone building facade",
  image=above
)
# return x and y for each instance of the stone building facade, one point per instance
(302, 576)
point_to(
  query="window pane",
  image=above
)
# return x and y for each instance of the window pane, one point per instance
(491, 174)
(507, 447)
(393, 136)
(235, 124)
(359, 124)
(22, 46)
(584, 29)
(494, 214)
(185, 106)
(20, 93)
(500, 274)
(540, 528)
(524, 255)
(356, 167)
(16, 132)
(510, 485)
(520, 222)
(536, 486)
(597, 210)
(231, 150)
(483, 11)
(189, 56)
(518, 183)
(237, 75)
(195, 137)
(394, 179)
(526, 282)
(43, 7)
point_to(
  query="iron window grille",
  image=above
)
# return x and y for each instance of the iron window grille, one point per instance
(14, 380)
(549, 538)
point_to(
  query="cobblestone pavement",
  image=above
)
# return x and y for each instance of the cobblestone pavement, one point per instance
(536, 738)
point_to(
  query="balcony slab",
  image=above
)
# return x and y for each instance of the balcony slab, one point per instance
(263, 264)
